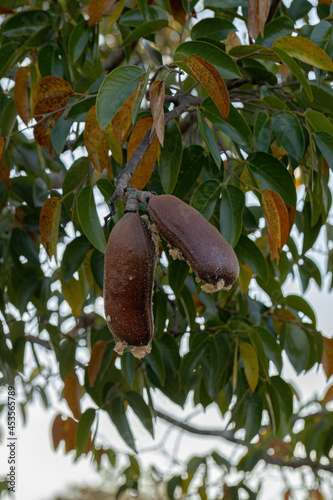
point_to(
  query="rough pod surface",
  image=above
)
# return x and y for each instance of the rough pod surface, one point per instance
(196, 241)
(128, 282)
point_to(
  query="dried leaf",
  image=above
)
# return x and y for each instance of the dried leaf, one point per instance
(122, 121)
(50, 94)
(177, 11)
(316, 495)
(257, 16)
(57, 431)
(49, 225)
(96, 359)
(72, 393)
(99, 8)
(95, 142)
(211, 80)
(232, 40)
(277, 221)
(5, 10)
(69, 430)
(73, 294)
(4, 173)
(145, 168)
(113, 144)
(42, 131)
(21, 95)
(327, 359)
(2, 145)
(328, 396)
(156, 97)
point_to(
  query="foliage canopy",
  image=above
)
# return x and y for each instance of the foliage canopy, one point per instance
(242, 129)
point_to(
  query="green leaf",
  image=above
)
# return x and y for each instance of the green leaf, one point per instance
(128, 366)
(83, 429)
(89, 221)
(297, 346)
(177, 271)
(231, 214)
(170, 352)
(170, 157)
(73, 256)
(251, 365)
(141, 409)
(304, 50)
(78, 40)
(190, 359)
(97, 267)
(209, 139)
(248, 251)
(22, 244)
(271, 347)
(296, 70)
(272, 174)
(205, 197)
(324, 141)
(253, 415)
(115, 90)
(277, 28)
(156, 363)
(318, 121)
(262, 132)
(190, 169)
(144, 30)
(289, 132)
(210, 53)
(59, 133)
(116, 410)
(214, 28)
(26, 24)
(298, 304)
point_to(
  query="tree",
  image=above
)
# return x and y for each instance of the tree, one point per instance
(241, 130)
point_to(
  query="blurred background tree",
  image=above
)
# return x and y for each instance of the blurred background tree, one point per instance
(246, 95)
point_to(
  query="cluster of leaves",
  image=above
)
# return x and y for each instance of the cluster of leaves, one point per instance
(257, 119)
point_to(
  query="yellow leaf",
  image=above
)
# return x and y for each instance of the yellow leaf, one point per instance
(206, 74)
(156, 97)
(4, 173)
(73, 294)
(316, 495)
(113, 144)
(232, 40)
(146, 166)
(21, 96)
(304, 50)
(327, 359)
(99, 8)
(88, 273)
(122, 121)
(95, 142)
(177, 11)
(251, 366)
(116, 13)
(245, 276)
(257, 16)
(49, 225)
(50, 94)
(96, 359)
(72, 393)
(277, 221)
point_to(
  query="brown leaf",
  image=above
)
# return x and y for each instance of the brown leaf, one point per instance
(2, 145)
(69, 429)
(316, 495)
(177, 11)
(72, 393)
(96, 359)
(286, 495)
(57, 431)
(277, 221)
(99, 8)
(122, 121)
(257, 16)
(146, 166)
(156, 97)
(4, 173)
(211, 80)
(327, 359)
(50, 94)
(21, 96)
(42, 131)
(232, 40)
(328, 396)
(49, 225)
(95, 142)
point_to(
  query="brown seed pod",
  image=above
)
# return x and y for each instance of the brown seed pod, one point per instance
(129, 268)
(196, 241)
